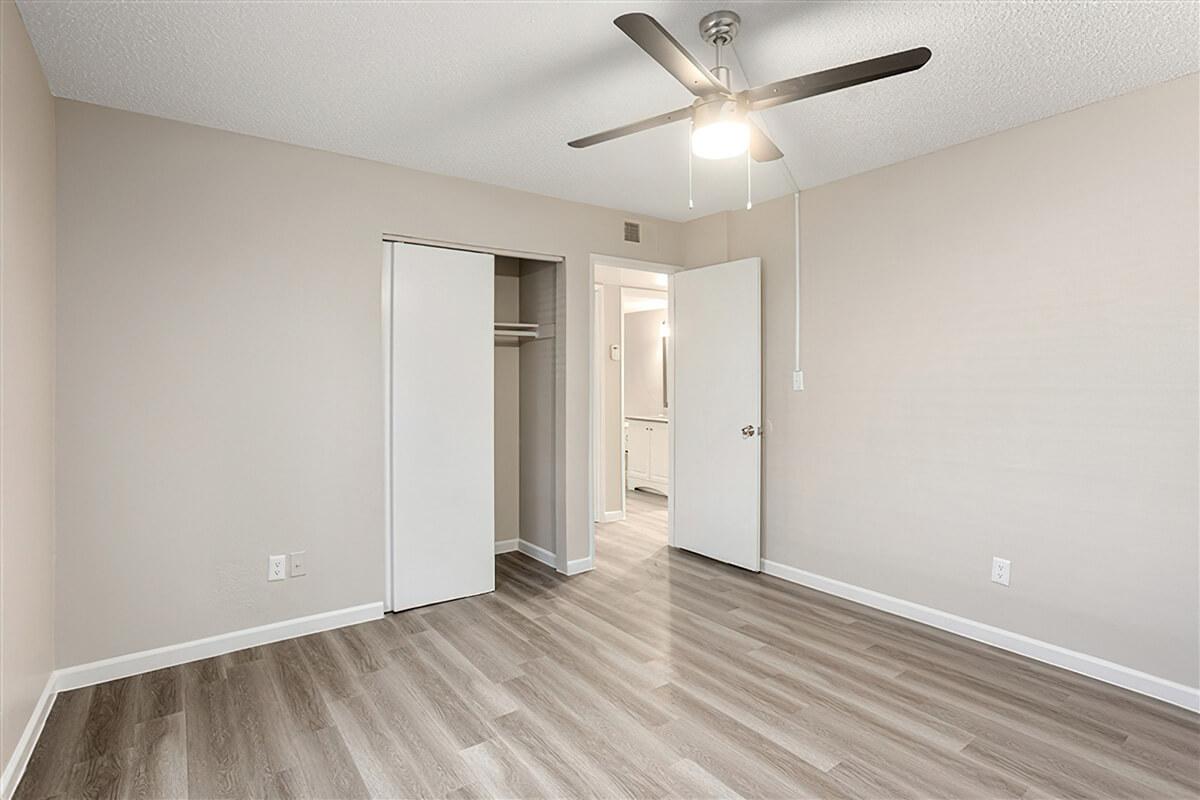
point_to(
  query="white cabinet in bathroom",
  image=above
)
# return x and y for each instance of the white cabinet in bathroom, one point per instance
(637, 450)
(647, 454)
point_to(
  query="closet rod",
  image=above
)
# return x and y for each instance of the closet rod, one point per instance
(524, 330)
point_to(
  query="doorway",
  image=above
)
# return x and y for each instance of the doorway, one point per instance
(631, 453)
(676, 409)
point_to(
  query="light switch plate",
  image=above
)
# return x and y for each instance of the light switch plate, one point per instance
(798, 381)
(297, 564)
(614, 352)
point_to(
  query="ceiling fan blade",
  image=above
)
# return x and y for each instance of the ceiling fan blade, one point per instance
(663, 48)
(830, 80)
(634, 127)
(761, 146)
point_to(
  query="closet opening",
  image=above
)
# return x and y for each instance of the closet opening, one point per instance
(471, 382)
(631, 402)
(525, 318)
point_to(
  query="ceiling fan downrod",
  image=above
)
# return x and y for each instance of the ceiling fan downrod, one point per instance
(719, 29)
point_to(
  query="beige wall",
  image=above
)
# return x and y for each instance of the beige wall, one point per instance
(26, 380)
(1000, 354)
(643, 359)
(219, 367)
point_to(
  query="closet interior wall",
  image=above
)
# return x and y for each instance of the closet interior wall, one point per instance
(526, 291)
(508, 403)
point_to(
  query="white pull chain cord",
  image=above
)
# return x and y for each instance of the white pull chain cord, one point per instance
(749, 202)
(797, 374)
(691, 203)
(796, 231)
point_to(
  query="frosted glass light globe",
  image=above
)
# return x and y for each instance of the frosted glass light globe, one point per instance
(722, 139)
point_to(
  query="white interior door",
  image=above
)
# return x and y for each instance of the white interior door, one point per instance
(716, 409)
(443, 504)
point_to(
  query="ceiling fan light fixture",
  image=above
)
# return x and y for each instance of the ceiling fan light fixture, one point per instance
(720, 130)
(721, 139)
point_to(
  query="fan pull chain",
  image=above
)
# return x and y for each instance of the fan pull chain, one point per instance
(749, 202)
(691, 203)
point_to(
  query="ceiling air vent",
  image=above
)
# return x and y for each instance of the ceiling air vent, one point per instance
(633, 232)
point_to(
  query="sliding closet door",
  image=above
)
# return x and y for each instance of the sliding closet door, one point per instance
(443, 505)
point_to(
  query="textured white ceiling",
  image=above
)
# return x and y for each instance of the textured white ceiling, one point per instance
(493, 91)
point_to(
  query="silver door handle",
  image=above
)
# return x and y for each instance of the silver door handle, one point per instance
(748, 431)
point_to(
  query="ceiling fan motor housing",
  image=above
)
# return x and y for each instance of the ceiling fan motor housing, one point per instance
(718, 109)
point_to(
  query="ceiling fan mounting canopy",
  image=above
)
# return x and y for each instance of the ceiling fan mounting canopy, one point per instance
(720, 27)
(716, 102)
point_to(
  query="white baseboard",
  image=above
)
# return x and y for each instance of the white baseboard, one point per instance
(579, 565)
(506, 545)
(1127, 678)
(175, 654)
(537, 553)
(63, 680)
(19, 759)
(546, 557)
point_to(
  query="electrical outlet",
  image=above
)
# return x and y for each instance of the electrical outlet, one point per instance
(1001, 568)
(297, 564)
(798, 381)
(276, 568)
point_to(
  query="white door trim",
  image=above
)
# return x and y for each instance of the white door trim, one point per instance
(594, 404)
(599, 428)
(386, 316)
(671, 404)
(474, 248)
(621, 393)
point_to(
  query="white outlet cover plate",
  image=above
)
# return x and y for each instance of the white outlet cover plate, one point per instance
(276, 568)
(1001, 571)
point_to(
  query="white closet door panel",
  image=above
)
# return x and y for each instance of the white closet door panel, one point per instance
(717, 368)
(443, 490)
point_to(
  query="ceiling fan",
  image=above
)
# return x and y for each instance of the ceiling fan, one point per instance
(721, 127)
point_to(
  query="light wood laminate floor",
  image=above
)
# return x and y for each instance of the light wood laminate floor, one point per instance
(660, 674)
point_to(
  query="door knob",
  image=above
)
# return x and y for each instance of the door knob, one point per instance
(747, 431)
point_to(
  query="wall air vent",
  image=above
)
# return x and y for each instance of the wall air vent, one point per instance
(633, 232)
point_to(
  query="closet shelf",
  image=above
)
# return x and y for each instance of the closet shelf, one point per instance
(524, 330)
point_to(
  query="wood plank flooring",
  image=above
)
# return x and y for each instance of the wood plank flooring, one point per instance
(660, 674)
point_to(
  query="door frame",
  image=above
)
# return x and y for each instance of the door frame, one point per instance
(598, 480)
(596, 418)
(385, 299)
